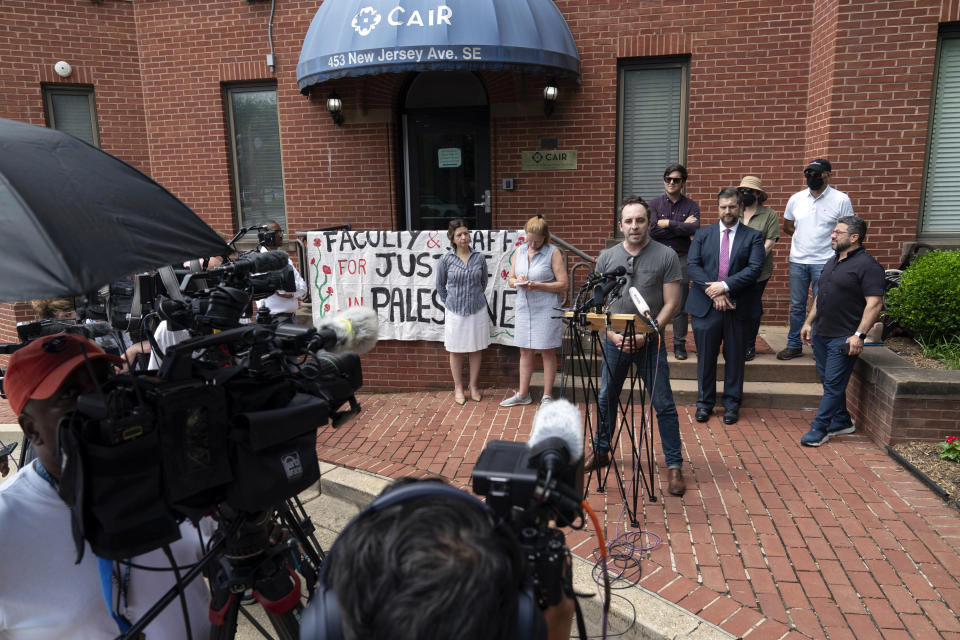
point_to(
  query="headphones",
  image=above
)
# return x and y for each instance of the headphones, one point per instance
(322, 621)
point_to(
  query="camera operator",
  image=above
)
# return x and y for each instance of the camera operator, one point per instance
(283, 305)
(44, 591)
(430, 567)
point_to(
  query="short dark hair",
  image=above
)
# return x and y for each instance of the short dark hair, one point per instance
(632, 199)
(455, 224)
(274, 223)
(729, 192)
(676, 167)
(855, 225)
(430, 568)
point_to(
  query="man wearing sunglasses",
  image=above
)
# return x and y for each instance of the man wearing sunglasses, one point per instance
(674, 220)
(809, 218)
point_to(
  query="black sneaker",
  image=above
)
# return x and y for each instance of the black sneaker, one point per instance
(750, 354)
(790, 353)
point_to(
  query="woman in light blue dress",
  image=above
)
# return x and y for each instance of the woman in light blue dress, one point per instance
(539, 274)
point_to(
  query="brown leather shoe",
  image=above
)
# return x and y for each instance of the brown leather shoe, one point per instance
(677, 484)
(596, 461)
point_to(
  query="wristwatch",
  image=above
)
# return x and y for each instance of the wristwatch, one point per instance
(860, 334)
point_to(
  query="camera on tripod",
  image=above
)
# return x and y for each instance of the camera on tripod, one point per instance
(531, 485)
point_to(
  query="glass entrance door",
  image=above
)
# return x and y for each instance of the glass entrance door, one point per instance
(448, 167)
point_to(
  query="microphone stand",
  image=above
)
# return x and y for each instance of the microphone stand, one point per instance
(580, 323)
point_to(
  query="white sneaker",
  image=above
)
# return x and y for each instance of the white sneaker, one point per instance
(546, 399)
(516, 400)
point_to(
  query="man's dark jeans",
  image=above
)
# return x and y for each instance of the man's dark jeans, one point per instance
(834, 368)
(615, 371)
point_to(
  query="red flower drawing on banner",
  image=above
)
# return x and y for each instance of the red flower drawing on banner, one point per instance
(503, 274)
(319, 283)
(520, 241)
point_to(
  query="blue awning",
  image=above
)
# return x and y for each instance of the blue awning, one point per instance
(364, 37)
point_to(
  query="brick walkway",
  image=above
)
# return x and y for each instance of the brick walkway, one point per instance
(771, 539)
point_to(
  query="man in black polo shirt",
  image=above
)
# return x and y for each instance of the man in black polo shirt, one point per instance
(847, 305)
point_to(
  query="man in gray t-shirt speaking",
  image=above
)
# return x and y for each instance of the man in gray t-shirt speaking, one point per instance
(654, 270)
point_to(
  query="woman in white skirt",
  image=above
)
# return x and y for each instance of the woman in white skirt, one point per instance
(461, 282)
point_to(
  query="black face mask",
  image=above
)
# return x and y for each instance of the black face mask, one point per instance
(748, 198)
(815, 182)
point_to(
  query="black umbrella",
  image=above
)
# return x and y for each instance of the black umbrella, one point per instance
(73, 218)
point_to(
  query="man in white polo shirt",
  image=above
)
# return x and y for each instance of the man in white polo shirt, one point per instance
(809, 218)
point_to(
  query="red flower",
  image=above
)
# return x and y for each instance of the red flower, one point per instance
(951, 439)
(329, 291)
(503, 274)
(313, 261)
(326, 307)
(317, 242)
(327, 270)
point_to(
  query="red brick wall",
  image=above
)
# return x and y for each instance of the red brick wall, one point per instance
(890, 416)
(773, 84)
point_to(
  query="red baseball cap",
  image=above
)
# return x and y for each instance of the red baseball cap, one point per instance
(37, 370)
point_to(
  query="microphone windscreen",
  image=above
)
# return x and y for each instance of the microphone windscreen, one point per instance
(559, 419)
(269, 261)
(642, 307)
(356, 329)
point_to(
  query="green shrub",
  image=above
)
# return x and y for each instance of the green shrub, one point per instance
(927, 302)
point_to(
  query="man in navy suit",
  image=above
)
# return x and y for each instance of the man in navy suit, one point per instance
(724, 262)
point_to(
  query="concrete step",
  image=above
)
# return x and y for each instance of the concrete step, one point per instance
(756, 394)
(765, 367)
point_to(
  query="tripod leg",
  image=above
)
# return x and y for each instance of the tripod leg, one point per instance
(287, 625)
(227, 617)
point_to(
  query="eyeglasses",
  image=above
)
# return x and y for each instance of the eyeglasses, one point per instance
(812, 173)
(668, 179)
(745, 191)
(839, 233)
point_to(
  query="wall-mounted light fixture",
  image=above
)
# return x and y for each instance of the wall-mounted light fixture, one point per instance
(63, 69)
(335, 108)
(550, 93)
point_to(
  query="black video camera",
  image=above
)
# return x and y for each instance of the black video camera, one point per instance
(521, 489)
(226, 420)
(267, 238)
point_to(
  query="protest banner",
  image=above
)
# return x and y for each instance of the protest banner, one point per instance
(393, 273)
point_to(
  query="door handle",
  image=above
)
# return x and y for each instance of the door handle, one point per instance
(486, 202)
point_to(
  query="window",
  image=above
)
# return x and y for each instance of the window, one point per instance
(942, 184)
(72, 110)
(255, 147)
(652, 124)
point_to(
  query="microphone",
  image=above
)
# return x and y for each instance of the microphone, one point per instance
(642, 308)
(557, 438)
(601, 291)
(254, 263)
(354, 330)
(613, 273)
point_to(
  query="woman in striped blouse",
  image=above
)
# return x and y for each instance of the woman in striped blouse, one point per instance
(461, 282)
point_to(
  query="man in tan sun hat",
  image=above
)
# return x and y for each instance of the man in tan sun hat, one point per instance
(765, 220)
